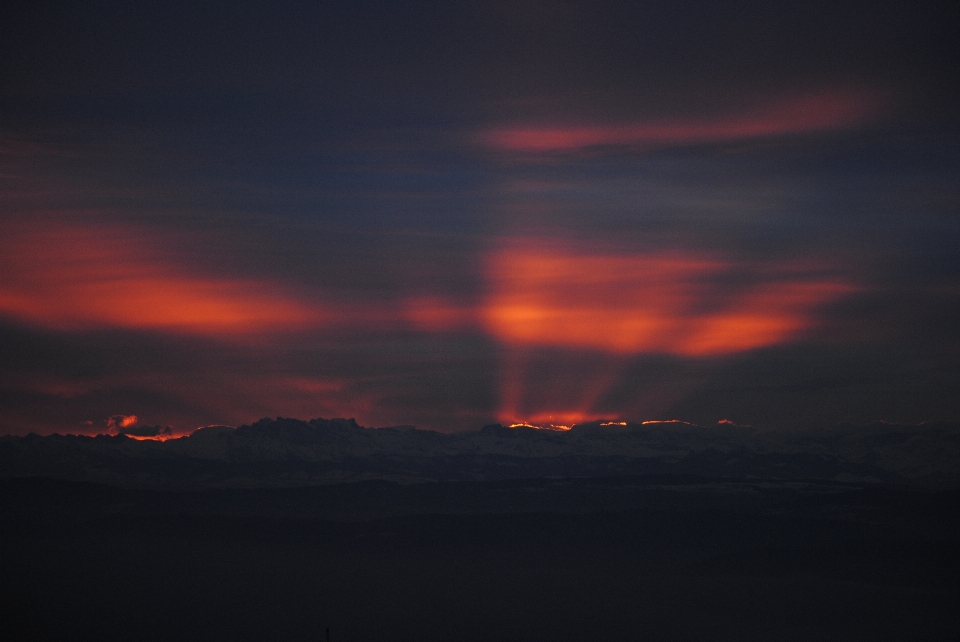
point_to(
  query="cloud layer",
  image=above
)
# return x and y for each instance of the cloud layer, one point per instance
(446, 214)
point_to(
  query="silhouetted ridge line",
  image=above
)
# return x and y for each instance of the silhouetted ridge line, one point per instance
(289, 452)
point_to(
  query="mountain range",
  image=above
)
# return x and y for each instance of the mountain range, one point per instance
(287, 452)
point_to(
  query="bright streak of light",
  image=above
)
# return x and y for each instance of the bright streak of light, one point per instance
(553, 427)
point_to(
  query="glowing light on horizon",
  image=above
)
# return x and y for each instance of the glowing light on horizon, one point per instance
(151, 438)
(558, 420)
(553, 427)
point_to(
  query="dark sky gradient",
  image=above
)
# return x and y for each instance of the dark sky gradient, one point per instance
(466, 212)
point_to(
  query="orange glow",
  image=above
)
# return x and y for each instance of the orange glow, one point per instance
(600, 307)
(561, 421)
(543, 295)
(434, 314)
(810, 113)
(121, 421)
(153, 438)
(553, 427)
(666, 421)
(68, 276)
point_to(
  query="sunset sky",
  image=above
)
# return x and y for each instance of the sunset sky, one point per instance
(458, 213)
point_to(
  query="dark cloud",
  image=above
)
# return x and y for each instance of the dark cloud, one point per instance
(380, 61)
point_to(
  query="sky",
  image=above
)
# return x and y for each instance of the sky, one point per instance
(456, 213)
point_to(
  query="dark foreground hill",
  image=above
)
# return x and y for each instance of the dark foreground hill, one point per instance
(603, 559)
(282, 529)
(289, 452)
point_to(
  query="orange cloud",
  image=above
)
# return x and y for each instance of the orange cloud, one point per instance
(667, 302)
(808, 113)
(118, 422)
(599, 307)
(70, 276)
(625, 304)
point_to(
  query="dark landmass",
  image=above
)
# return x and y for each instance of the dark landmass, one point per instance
(290, 452)
(661, 532)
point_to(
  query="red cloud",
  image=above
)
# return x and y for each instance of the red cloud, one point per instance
(603, 306)
(667, 302)
(808, 113)
(119, 422)
(70, 276)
